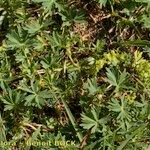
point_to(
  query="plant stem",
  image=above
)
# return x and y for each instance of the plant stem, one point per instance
(72, 119)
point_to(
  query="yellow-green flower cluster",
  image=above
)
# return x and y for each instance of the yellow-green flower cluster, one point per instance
(114, 58)
(142, 66)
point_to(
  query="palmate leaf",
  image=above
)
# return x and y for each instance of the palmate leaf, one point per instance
(146, 21)
(139, 130)
(48, 5)
(120, 107)
(26, 88)
(91, 86)
(144, 106)
(15, 39)
(92, 120)
(72, 16)
(57, 41)
(33, 27)
(12, 100)
(117, 79)
(111, 77)
(35, 97)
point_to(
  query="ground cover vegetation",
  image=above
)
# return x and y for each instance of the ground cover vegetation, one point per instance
(75, 70)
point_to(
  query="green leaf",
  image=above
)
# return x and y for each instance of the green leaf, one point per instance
(45, 94)
(143, 1)
(103, 2)
(146, 21)
(18, 39)
(138, 43)
(29, 99)
(33, 27)
(117, 79)
(92, 121)
(12, 100)
(91, 86)
(121, 107)
(3, 130)
(49, 5)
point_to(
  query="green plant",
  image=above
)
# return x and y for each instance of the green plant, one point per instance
(117, 79)
(74, 74)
